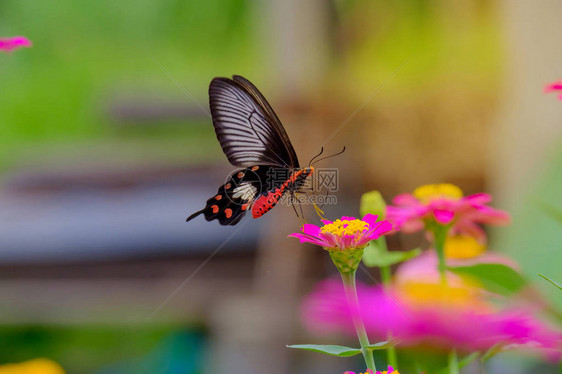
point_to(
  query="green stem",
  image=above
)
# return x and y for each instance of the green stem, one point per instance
(453, 362)
(440, 235)
(391, 356)
(386, 276)
(348, 279)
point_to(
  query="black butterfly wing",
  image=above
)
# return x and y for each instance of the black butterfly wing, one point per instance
(237, 195)
(247, 128)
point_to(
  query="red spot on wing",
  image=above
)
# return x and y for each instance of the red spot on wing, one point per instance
(215, 209)
(218, 197)
(228, 213)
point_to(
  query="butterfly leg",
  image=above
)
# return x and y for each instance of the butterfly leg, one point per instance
(302, 212)
(292, 202)
(318, 209)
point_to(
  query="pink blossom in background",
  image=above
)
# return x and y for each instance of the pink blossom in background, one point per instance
(344, 233)
(9, 44)
(464, 323)
(556, 86)
(325, 310)
(390, 370)
(424, 267)
(446, 206)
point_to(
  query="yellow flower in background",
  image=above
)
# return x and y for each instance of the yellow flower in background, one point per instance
(429, 192)
(36, 366)
(461, 295)
(463, 246)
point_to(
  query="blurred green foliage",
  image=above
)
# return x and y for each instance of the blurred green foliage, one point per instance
(535, 237)
(85, 54)
(115, 349)
(448, 46)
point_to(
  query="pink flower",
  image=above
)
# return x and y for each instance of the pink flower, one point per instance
(444, 204)
(556, 86)
(424, 267)
(390, 370)
(426, 315)
(345, 233)
(326, 310)
(9, 44)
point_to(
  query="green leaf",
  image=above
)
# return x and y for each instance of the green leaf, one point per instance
(551, 281)
(373, 203)
(376, 255)
(380, 345)
(333, 350)
(496, 278)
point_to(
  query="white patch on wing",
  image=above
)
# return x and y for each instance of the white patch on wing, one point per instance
(245, 192)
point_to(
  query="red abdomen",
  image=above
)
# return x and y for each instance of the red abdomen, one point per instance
(265, 203)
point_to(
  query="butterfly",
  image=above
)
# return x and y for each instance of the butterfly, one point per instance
(252, 138)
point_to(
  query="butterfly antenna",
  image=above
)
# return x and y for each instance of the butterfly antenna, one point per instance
(335, 154)
(321, 151)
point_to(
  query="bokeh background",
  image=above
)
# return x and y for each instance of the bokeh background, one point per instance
(106, 146)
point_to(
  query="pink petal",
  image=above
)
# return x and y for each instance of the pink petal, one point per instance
(553, 87)
(491, 216)
(381, 229)
(9, 44)
(346, 218)
(477, 199)
(347, 241)
(310, 229)
(330, 239)
(405, 199)
(308, 239)
(371, 219)
(412, 226)
(399, 216)
(444, 217)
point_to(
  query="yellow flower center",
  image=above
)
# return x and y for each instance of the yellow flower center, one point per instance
(443, 296)
(341, 228)
(463, 246)
(429, 192)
